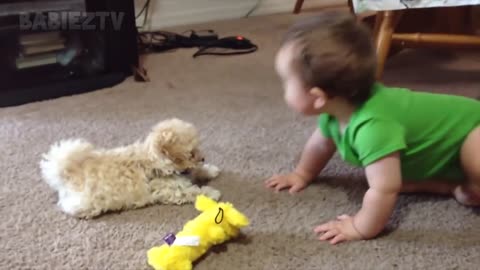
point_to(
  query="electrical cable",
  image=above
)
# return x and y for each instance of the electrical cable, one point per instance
(208, 43)
(145, 10)
(253, 8)
(405, 4)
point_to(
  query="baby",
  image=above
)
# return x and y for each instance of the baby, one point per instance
(406, 141)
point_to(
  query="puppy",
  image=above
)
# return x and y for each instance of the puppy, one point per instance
(91, 181)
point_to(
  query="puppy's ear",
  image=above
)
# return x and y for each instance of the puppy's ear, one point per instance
(165, 144)
(181, 158)
(159, 141)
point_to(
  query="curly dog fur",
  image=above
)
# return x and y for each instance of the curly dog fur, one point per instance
(91, 181)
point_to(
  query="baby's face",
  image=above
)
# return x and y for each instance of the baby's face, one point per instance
(296, 95)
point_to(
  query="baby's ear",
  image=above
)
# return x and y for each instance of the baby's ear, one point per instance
(320, 97)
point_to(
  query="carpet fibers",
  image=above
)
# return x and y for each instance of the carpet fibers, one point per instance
(246, 129)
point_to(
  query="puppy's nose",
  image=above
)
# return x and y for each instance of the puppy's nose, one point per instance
(202, 160)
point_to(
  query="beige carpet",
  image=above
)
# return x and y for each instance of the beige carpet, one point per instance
(236, 102)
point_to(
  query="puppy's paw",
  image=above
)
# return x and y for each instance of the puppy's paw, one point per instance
(211, 171)
(211, 193)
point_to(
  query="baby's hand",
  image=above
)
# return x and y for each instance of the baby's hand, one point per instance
(292, 181)
(337, 231)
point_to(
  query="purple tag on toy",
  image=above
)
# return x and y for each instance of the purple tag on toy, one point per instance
(169, 238)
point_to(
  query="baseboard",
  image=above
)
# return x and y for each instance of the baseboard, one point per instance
(169, 13)
(275, 6)
(182, 16)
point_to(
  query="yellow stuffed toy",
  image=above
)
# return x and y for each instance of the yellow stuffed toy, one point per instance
(217, 223)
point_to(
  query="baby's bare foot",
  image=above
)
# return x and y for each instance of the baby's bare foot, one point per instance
(467, 196)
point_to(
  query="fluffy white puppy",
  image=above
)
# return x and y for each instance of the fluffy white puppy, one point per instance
(161, 169)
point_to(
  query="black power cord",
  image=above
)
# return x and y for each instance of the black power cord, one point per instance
(145, 10)
(207, 41)
(404, 4)
(253, 8)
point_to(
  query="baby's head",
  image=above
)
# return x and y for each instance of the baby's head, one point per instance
(325, 57)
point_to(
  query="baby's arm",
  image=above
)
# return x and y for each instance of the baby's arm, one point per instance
(384, 179)
(315, 156)
(317, 152)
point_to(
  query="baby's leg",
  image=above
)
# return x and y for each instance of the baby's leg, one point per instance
(469, 193)
(430, 186)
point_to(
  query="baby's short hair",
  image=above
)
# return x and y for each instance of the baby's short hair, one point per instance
(337, 55)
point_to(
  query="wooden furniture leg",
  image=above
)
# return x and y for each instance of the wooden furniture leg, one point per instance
(436, 40)
(139, 72)
(350, 7)
(376, 26)
(387, 24)
(298, 6)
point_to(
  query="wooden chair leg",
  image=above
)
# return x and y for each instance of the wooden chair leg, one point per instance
(376, 26)
(298, 6)
(436, 40)
(139, 72)
(350, 7)
(387, 24)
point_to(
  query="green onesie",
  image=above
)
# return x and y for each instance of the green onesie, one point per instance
(428, 130)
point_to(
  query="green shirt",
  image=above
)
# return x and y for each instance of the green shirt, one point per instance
(428, 130)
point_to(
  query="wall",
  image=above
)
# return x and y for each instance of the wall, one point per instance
(164, 13)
